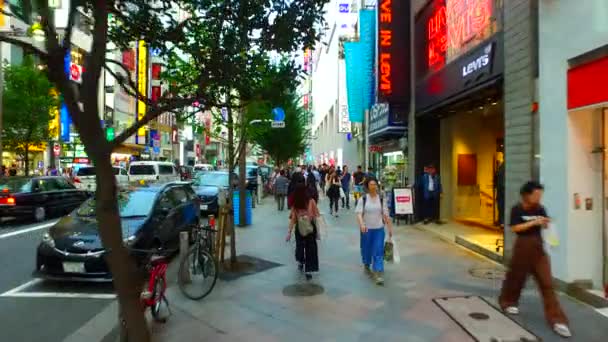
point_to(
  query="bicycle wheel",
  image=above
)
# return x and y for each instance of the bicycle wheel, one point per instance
(197, 274)
(159, 298)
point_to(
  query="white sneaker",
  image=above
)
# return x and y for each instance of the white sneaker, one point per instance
(512, 310)
(562, 330)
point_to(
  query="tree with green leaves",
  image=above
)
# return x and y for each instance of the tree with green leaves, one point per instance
(213, 51)
(28, 109)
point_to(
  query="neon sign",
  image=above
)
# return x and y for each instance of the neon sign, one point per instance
(454, 27)
(385, 43)
(437, 38)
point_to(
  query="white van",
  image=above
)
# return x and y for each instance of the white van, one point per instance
(203, 167)
(85, 178)
(153, 171)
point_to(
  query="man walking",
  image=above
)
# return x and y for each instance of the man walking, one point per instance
(359, 179)
(280, 189)
(431, 193)
(346, 180)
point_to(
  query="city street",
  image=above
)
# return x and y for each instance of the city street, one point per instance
(34, 310)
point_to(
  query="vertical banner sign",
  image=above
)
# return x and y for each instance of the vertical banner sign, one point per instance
(142, 86)
(343, 120)
(394, 51)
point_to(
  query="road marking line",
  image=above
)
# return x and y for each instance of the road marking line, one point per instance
(21, 287)
(60, 295)
(27, 230)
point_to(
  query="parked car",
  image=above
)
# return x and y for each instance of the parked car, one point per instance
(85, 178)
(203, 167)
(38, 197)
(207, 186)
(153, 171)
(151, 217)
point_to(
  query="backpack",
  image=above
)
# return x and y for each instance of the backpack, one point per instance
(381, 205)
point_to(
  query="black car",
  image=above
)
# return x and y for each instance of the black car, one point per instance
(151, 217)
(207, 186)
(38, 197)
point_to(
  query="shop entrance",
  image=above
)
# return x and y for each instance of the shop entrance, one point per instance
(472, 152)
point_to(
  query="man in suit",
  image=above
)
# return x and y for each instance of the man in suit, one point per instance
(431, 193)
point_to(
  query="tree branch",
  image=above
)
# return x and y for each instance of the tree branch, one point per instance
(98, 49)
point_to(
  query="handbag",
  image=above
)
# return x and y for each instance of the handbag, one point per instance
(305, 226)
(321, 228)
(342, 194)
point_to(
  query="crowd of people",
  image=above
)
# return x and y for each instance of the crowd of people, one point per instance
(302, 185)
(14, 170)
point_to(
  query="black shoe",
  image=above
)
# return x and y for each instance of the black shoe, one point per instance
(300, 267)
(308, 276)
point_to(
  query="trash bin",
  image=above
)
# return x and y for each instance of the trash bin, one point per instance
(236, 206)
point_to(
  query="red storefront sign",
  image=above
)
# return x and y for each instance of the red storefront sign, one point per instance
(385, 43)
(587, 84)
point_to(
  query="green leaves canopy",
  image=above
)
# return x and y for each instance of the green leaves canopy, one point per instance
(28, 108)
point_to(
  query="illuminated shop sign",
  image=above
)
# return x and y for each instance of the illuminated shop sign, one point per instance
(142, 85)
(479, 62)
(393, 50)
(454, 27)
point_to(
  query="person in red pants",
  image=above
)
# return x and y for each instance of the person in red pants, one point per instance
(528, 218)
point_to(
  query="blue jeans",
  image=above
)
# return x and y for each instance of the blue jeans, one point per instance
(372, 249)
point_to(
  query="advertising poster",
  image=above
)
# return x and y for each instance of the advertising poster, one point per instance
(404, 204)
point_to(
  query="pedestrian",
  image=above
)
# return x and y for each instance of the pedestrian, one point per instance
(281, 185)
(528, 218)
(304, 212)
(296, 178)
(346, 184)
(311, 184)
(358, 185)
(13, 170)
(370, 173)
(323, 176)
(500, 193)
(372, 215)
(334, 185)
(431, 193)
(315, 172)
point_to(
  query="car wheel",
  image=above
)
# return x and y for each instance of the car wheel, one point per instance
(39, 214)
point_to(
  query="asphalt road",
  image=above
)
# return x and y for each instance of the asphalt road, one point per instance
(35, 310)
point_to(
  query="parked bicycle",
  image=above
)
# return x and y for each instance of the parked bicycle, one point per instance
(198, 269)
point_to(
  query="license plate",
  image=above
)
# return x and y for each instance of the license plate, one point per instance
(73, 267)
(204, 207)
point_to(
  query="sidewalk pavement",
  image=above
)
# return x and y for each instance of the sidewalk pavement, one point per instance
(352, 308)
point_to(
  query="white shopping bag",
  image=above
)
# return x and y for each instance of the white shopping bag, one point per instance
(550, 236)
(321, 228)
(396, 256)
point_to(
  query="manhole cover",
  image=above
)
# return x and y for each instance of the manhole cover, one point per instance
(487, 273)
(303, 290)
(480, 316)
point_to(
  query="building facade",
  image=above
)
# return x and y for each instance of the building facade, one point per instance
(573, 110)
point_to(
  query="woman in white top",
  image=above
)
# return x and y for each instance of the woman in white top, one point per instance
(372, 216)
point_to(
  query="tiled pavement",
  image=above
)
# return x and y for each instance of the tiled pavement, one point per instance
(352, 308)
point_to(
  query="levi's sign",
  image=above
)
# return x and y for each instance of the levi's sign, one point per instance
(480, 63)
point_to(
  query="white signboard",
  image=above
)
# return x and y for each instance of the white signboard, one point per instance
(343, 120)
(278, 124)
(348, 15)
(404, 201)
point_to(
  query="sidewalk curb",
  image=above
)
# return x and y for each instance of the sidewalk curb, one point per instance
(98, 327)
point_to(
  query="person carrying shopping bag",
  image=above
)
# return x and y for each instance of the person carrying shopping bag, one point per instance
(303, 216)
(372, 215)
(528, 219)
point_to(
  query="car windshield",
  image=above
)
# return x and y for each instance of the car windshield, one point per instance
(142, 170)
(211, 179)
(130, 204)
(86, 171)
(15, 184)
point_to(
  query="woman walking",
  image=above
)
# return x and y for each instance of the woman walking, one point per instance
(372, 216)
(528, 218)
(302, 217)
(311, 184)
(333, 193)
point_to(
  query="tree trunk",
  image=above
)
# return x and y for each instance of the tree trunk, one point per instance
(231, 168)
(126, 279)
(26, 159)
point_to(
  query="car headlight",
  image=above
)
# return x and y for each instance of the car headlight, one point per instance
(48, 240)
